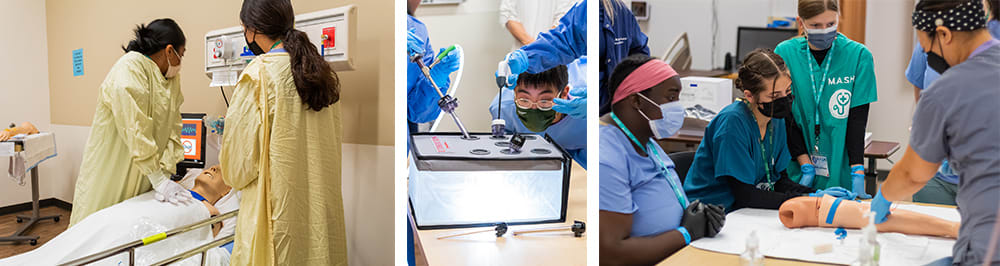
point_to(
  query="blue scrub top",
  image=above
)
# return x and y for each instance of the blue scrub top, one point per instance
(619, 39)
(570, 133)
(562, 44)
(421, 100)
(921, 75)
(731, 148)
(633, 184)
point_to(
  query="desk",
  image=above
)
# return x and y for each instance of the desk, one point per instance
(552, 248)
(877, 150)
(718, 73)
(694, 256)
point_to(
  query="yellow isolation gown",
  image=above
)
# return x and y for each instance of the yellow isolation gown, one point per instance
(134, 139)
(286, 160)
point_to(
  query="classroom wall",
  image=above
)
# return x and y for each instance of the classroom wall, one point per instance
(24, 94)
(670, 18)
(475, 26)
(889, 36)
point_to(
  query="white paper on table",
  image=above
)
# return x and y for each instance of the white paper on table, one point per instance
(223, 78)
(777, 241)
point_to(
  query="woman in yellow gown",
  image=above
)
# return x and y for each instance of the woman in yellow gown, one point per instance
(134, 142)
(282, 146)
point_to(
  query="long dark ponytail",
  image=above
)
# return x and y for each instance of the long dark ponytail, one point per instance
(315, 81)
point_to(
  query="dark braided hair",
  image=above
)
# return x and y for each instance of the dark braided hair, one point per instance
(760, 65)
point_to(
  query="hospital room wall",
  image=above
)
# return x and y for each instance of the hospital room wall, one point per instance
(668, 19)
(101, 27)
(888, 35)
(474, 25)
(24, 95)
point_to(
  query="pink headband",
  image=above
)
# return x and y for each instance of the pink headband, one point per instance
(643, 78)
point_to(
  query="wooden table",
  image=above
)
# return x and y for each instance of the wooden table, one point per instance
(551, 248)
(694, 256)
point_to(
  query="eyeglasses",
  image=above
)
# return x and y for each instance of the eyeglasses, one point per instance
(543, 105)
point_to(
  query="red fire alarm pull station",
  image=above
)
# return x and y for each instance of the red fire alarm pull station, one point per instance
(329, 40)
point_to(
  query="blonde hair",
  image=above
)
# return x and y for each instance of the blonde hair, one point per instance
(812, 8)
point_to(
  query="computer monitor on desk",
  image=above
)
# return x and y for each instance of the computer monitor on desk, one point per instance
(751, 38)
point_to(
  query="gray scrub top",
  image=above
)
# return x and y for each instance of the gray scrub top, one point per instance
(957, 118)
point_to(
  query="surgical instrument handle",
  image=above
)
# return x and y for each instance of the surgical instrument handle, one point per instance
(446, 103)
(442, 55)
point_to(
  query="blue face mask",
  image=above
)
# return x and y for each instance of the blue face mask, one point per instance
(672, 119)
(822, 38)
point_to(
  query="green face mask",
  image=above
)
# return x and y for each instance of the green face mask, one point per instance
(536, 120)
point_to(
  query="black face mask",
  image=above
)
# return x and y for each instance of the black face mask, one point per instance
(254, 48)
(935, 61)
(777, 108)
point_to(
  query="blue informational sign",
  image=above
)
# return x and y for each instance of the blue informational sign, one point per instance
(78, 62)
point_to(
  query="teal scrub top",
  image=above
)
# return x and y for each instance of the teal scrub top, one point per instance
(850, 82)
(732, 147)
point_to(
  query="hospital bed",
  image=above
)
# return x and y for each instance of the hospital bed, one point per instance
(131, 246)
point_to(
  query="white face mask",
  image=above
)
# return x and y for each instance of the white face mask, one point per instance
(173, 70)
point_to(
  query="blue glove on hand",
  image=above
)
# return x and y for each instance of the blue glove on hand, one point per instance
(515, 62)
(445, 67)
(881, 207)
(837, 192)
(808, 173)
(576, 107)
(858, 182)
(414, 45)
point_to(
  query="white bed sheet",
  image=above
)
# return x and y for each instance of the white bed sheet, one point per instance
(777, 241)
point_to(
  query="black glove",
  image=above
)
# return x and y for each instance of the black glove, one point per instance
(716, 219)
(703, 220)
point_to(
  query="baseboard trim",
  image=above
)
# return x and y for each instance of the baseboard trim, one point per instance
(41, 204)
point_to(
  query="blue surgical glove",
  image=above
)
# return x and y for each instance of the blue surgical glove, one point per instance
(446, 66)
(576, 107)
(881, 207)
(414, 45)
(858, 182)
(837, 192)
(516, 62)
(808, 173)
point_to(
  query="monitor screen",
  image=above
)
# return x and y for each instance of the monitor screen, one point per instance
(751, 38)
(193, 140)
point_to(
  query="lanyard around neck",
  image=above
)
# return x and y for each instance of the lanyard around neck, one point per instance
(763, 153)
(681, 197)
(817, 93)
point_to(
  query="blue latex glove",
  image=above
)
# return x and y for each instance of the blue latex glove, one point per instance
(413, 43)
(881, 207)
(517, 62)
(808, 173)
(858, 182)
(446, 66)
(837, 192)
(576, 107)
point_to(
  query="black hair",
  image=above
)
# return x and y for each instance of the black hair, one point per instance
(624, 68)
(557, 77)
(759, 65)
(315, 81)
(155, 36)
(994, 8)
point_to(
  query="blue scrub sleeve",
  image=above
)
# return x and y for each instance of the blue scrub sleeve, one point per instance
(915, 70)
(561, 45)
(615, 191)
(730, 154)
(927, 138)
(580, 156)
(421, 100)
(639, 42)
(865, 89)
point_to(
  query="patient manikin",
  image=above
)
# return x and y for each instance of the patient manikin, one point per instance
(814, 211)
(143, 216)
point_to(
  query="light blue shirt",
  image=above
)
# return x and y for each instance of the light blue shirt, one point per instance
(633, 184)
(569, 133)
(731, 147)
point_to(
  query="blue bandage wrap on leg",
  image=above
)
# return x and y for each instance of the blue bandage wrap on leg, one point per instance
(833, 211)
